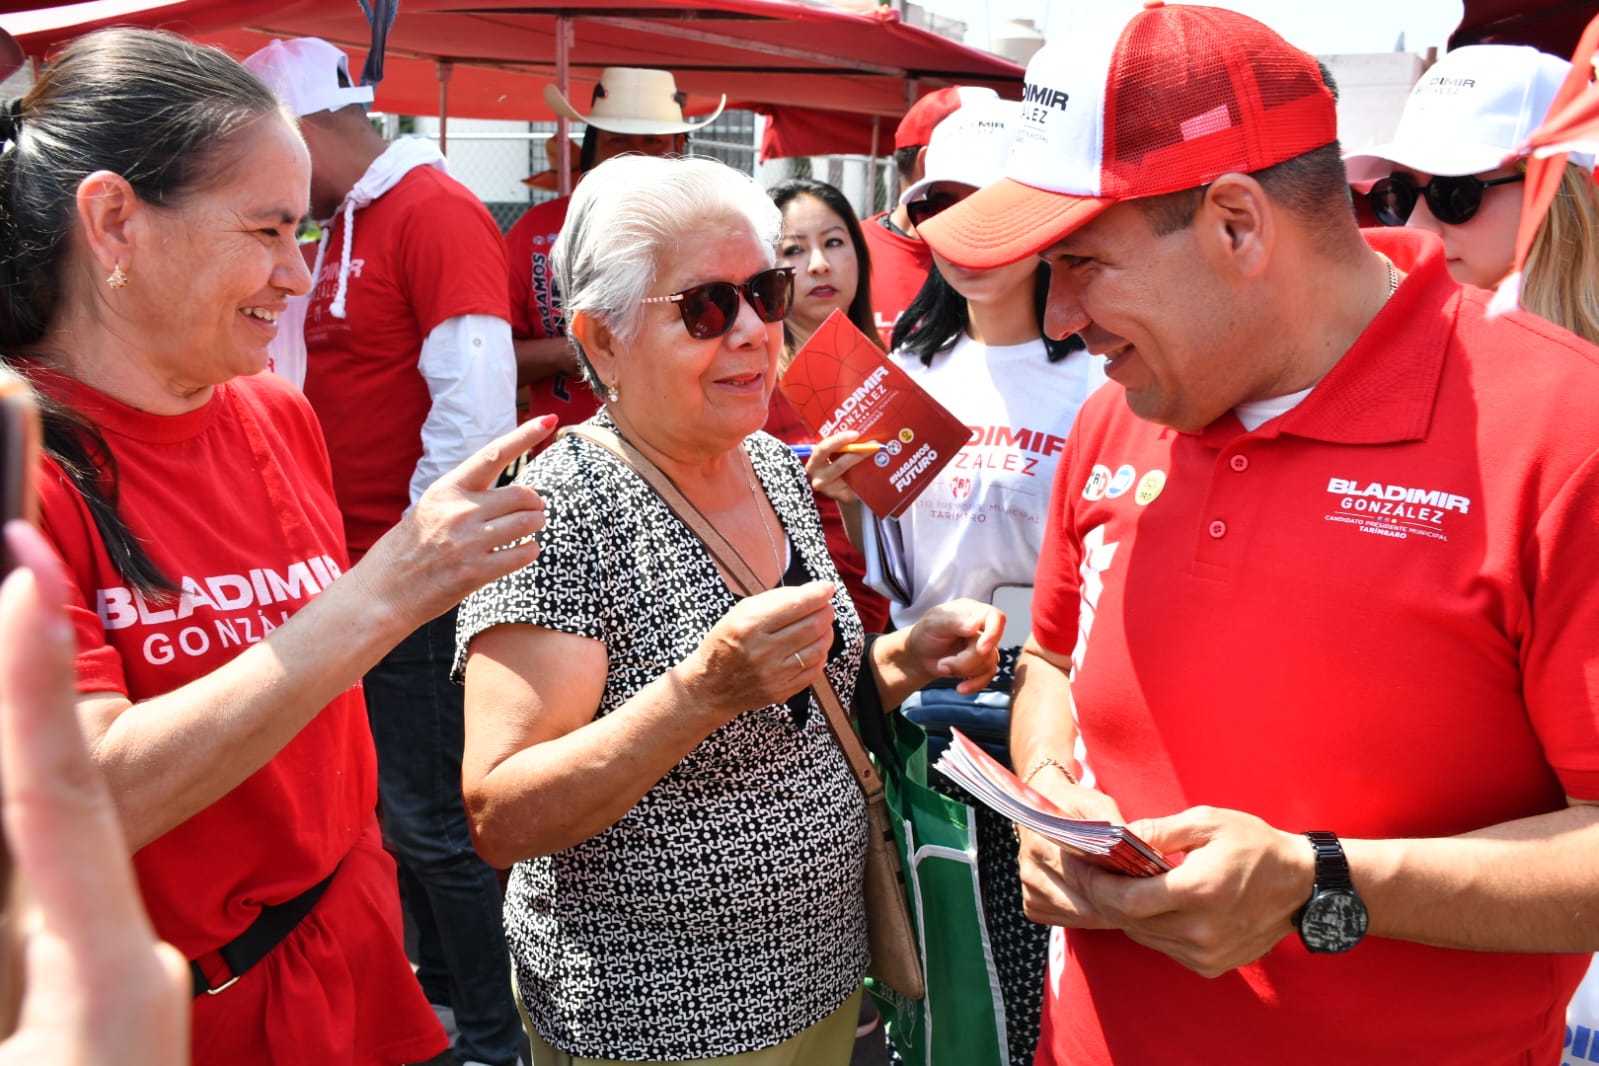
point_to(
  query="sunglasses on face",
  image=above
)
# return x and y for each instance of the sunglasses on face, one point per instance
(934, 202)
(1452, 201)
(709, 310)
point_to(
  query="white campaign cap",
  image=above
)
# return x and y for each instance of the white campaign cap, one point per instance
(970, 146)
(1473, 110)
(309, 75)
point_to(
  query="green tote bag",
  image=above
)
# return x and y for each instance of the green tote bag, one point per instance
(961, 1022)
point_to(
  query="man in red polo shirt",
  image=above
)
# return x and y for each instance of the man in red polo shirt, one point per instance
(1316, 604)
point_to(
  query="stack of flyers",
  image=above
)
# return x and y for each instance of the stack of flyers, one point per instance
(1101, 843)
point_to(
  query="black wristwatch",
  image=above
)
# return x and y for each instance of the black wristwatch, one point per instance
(1334, 919)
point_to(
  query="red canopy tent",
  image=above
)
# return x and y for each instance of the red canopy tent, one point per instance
(829, 80)
(1552, 26)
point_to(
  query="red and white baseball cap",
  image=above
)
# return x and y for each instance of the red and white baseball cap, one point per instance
(916, 128)
(1170, 99)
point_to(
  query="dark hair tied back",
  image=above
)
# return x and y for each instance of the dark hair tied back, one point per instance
(938, 316)
(10, 118)
(163, 113)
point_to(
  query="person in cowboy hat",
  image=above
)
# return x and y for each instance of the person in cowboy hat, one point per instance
(635, 109)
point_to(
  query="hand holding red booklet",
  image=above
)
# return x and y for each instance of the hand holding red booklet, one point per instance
(840, 380)
(1101, 843)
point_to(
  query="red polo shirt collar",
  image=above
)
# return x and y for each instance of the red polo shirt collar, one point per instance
(1384, 388)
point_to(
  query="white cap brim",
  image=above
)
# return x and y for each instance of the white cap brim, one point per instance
(1442, 160)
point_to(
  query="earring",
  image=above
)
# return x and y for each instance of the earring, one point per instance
(117, 279)
(612, 393)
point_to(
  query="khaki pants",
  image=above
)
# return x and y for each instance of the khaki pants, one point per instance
(829, 1042)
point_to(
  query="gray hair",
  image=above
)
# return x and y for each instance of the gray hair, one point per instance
(627, 216)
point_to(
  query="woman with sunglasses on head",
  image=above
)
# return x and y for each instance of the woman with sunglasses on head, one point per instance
(1445, 171)
(974, 340)
(641, 741)
(822, 242)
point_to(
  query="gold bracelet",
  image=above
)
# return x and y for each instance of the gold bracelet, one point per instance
(1048, 760)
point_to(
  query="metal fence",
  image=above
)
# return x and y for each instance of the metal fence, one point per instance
(494, 158)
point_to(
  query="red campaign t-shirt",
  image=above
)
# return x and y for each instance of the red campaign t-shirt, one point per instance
(899, 267)
(1358, 617)
(784, 423)
(536, 310)
(234, 502)
(425, 251)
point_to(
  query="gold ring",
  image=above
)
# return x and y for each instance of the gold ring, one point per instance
(799, 660)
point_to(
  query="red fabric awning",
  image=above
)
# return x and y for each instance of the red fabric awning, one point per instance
(792, 131)
(1552, 26)
(820, 73)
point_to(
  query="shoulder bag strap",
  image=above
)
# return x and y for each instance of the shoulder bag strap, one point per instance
(743, 581)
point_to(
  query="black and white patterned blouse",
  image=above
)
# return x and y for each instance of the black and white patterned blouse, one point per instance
(724, 912)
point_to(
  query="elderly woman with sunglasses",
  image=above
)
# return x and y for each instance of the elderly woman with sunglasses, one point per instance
(641, 742)
(1451, 169)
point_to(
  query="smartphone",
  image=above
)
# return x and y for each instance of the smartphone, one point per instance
(1017, 603)
(19, 446)
(19, 452)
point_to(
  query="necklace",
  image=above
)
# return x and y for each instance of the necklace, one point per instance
(760, 511)
(1393, 279)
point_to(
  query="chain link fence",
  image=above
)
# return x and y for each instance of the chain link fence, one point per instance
(494, 159)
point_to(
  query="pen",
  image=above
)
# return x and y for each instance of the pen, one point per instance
(860, 447)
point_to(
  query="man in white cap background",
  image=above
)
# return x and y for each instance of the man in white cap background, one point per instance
(1315, 607)
(410, 370)
(900, 261)
(635, 109)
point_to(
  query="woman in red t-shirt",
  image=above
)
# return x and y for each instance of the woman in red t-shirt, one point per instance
(150, 197)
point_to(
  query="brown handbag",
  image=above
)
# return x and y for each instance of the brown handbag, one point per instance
(896, 956)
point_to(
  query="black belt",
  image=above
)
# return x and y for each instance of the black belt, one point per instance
(275, 922)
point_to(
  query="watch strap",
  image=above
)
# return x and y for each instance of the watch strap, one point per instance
(1332, 867)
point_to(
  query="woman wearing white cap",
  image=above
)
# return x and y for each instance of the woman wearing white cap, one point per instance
(1451, 168)
(974, 340)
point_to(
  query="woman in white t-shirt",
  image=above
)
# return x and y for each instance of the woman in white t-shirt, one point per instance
(974, 341)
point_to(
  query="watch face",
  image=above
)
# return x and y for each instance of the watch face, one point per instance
(1333, 921)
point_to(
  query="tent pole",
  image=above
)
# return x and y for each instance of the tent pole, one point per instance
(876, 183)
(444, 68)
(563, 126)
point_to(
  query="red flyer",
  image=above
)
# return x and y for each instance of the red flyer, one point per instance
(841, 380)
